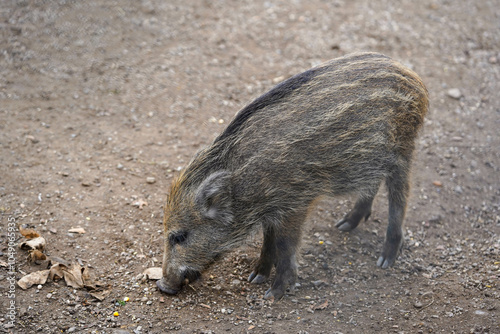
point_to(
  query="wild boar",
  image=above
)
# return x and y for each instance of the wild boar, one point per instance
(339, 128)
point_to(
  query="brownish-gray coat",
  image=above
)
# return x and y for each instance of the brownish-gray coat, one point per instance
(340, 128)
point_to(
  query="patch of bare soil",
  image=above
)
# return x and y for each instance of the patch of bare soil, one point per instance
(103, 102)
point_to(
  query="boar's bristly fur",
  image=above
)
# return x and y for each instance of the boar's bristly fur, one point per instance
(340, 128)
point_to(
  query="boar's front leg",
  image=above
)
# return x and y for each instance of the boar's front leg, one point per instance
(287, 243)
(265, 264)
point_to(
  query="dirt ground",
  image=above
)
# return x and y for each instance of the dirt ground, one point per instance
(103, 102)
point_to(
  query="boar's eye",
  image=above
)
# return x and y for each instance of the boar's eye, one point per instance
(178, 237)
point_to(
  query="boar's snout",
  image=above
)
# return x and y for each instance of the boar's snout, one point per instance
(173, 284)
(163, 285)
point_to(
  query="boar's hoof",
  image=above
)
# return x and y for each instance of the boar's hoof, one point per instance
(345, 225)
(255, 278)
(384, 263)
(352, 219)
(392, 248)
(274, 294)
(162, 285)
(387, 259)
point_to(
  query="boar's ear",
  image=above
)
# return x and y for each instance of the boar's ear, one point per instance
(213, 197)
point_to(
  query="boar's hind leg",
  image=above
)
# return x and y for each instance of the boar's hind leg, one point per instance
(287, 244)
(362, 210)
(263, 268)
(398, 188)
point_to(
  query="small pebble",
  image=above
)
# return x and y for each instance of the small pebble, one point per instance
(437, 183)
(319, 283)
(278, 79)
(150, 180)
(454, 93)
(32, 139)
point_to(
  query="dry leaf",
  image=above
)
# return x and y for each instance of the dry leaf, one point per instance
(73, 276)
(36, 243)
(28, 233)
(55, 260)
(88, 281)
(36, 255)
(100, 295)
(56, 271)
(38, 277)
(153, 273)
(78, 230)
(140, 203)
(3, 263)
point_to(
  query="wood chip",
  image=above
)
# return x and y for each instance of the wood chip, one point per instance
(321, 306)
(78, 230)
(153, 273)
(140, 203)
